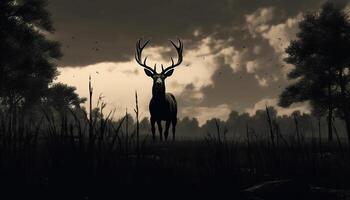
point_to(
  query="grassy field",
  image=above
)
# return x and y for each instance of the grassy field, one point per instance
(82, 159)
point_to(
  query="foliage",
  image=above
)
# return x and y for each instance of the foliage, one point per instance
(320, 57)
(62, 97)
(27, 57)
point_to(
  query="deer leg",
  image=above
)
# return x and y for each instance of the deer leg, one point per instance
(153, 128)
(174, 122)
(166, 133)
(159, 123)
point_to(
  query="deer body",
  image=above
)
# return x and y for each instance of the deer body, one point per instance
(163, 109)
(163, 106)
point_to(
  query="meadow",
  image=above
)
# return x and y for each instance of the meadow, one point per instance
(67, 156)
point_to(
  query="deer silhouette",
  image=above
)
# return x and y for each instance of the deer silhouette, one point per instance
(163, 106)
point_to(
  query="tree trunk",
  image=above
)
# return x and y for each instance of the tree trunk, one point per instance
(347, 123)
(272, 136)
(329, 120)
(320, 135)
(330, 114)
(297, 129)
(345, 108)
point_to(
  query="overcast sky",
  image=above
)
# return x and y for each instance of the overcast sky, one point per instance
(233, 50)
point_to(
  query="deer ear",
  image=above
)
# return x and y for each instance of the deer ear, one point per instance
(148, 73)
(169, 73)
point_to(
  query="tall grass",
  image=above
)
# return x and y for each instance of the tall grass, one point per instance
(73, 152)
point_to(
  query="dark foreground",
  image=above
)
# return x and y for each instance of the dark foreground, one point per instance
(64, 167)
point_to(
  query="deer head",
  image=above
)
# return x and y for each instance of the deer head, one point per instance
(158, 78)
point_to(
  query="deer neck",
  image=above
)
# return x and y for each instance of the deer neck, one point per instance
(158, 93)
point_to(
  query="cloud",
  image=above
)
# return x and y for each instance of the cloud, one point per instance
(257, 21)
(279, 35)
(113, 26)
(118, 81)
(236, 89)
(257, 49)
(204, 113)
(117, 87)
(251, 66)
(262, 81)
(347, 8)
(261, 105)
(273, 39)
(232, 54)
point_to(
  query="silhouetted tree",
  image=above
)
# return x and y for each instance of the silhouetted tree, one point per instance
(188, 126)
(61, 97)
(321, 60)
(26, 56)
(211, 128)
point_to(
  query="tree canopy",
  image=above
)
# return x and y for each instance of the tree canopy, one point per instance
(61, 96)
(321, 60)
(27, 58)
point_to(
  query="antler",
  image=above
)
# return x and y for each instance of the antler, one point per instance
(179, 52)
(138, 56)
